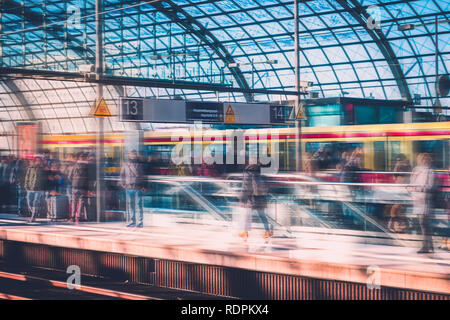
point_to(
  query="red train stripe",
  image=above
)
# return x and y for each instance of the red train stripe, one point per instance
(304, 136)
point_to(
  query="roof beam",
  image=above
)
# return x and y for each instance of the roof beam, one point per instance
(135, 81)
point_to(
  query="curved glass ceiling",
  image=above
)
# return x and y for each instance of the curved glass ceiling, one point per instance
(342, 50)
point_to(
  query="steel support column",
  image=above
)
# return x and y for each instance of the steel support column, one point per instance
(98, 74)
(298, 123)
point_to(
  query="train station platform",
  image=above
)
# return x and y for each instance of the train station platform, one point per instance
(212, 259)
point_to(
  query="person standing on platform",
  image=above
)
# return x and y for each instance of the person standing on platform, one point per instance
(132, 180)
(422, 183)
(5, 172)
(17, 179)
(34, 186)
(69, 164)
(79, 176)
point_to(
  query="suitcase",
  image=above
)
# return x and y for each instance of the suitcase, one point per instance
(58, 207)
(91, 205)
(24, 211)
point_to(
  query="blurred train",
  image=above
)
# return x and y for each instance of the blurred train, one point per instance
(381, 143)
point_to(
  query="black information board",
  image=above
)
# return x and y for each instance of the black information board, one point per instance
(277, 114)
(131, 109)
(208, 112)
(281, 114)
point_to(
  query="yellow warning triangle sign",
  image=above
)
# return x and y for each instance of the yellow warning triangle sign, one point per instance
(229, 115)
(300, 114)
(101, 109)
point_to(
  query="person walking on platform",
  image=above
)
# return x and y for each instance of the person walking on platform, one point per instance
(422, 183)
(79, 176)
(132, 180)
(34, 186)
(253, 198)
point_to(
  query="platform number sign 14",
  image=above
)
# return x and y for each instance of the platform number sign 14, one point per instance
(132, 109)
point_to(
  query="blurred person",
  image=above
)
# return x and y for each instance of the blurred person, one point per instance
(66, 170)
(5, 186)
(422, 184)
(398, 221)
(310, 166)
(34, 185)
(91, 202)
(343, 161)
(350, 168)
(149, 165)
(208, 170)
(319, 157)
(357, 158)
(79, 176)
(254, 198)
(57, 200)
(349, 174)
(445, 242)
(132, 180)
(46, 164)
(56, 181)
(183, 170)
(402, 166)
(17, 178)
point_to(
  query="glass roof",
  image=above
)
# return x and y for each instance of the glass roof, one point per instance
(348, 47)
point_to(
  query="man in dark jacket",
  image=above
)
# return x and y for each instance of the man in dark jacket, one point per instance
(79, 176)
(131, 179)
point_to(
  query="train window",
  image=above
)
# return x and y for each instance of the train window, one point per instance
(283, 160)
(388, 115)
(291, 155)
(117, 154)
(324, 121)
(331, 151)
(394, 151)
(160, 152)
(436, 149)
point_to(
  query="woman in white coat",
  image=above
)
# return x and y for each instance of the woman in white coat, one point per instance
(422, 183)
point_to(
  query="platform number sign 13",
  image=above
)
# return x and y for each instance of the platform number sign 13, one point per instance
(132, 109)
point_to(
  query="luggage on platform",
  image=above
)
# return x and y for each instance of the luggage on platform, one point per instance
(58, 207)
